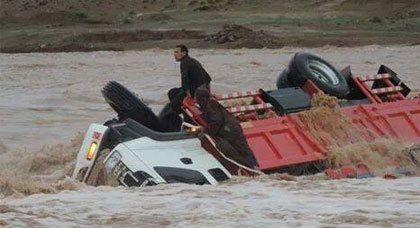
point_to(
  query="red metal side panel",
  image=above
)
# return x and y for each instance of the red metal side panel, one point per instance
(283, 141)
(400, 119)
(193, 111)
(278, 142)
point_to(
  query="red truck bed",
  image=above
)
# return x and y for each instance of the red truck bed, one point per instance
(284, 141)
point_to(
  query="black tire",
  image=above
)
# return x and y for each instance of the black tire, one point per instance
(282, 80)
(304, 66)
(128, 105)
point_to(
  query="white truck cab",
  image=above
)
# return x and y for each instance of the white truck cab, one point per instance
(140, 156)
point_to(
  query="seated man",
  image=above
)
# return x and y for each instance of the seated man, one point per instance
(224, 129)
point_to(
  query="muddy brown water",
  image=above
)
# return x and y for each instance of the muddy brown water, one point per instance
(47, 99)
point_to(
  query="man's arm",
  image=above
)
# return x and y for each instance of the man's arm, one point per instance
(184, 77)
(214, 118)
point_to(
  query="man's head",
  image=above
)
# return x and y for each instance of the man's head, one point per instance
(202, 95)
(180, 52)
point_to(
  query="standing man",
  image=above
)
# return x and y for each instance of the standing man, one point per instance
(193, 75)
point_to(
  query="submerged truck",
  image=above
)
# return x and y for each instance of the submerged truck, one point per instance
(148, 149)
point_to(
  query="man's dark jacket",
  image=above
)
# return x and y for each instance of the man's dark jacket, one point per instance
(193, 75)
(224, 129)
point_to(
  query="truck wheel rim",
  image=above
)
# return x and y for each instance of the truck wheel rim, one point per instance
(323, 72)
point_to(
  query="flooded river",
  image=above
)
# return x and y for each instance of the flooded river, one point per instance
(47, 101)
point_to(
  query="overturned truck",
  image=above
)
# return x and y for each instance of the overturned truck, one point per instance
(148, 149)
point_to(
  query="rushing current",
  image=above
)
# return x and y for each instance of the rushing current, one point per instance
(48, 100)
